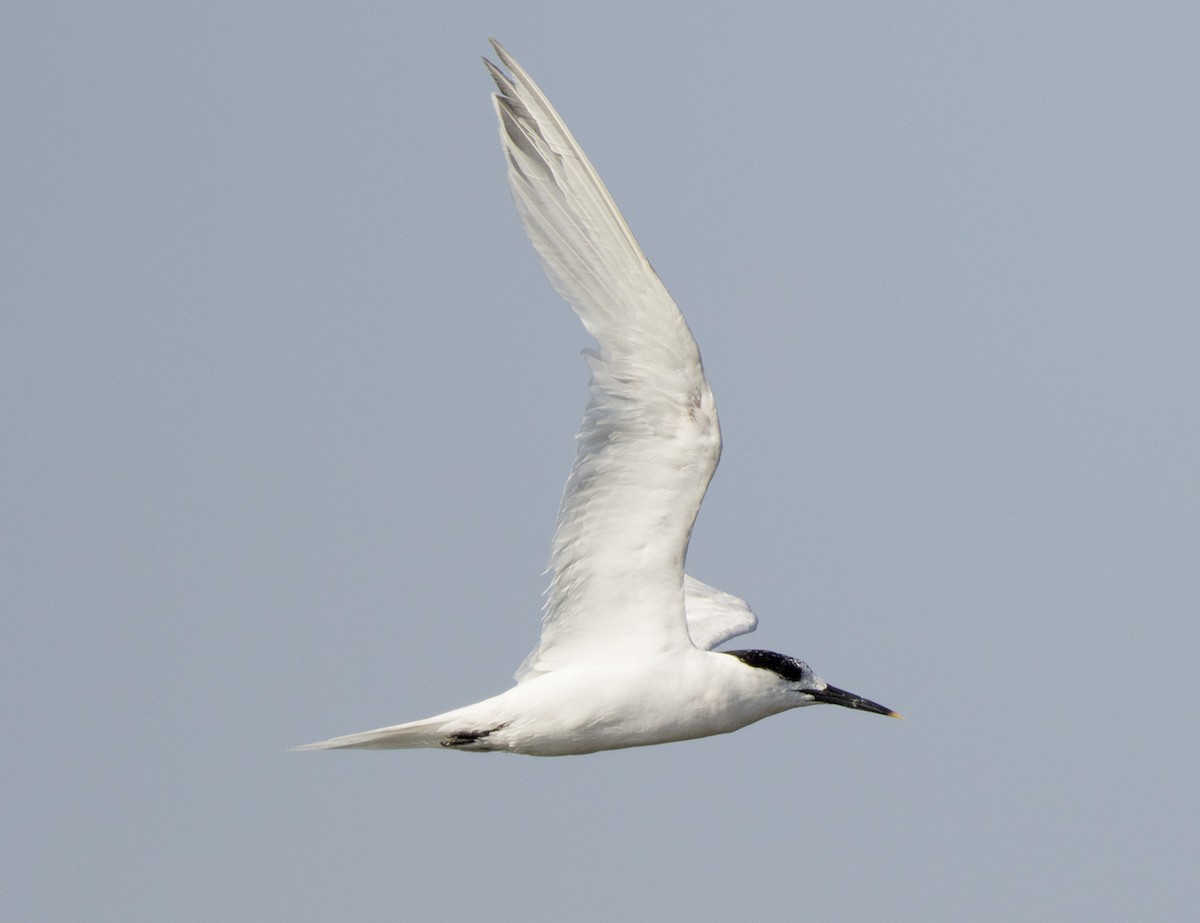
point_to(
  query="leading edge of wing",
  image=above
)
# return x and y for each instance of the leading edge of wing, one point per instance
(650, 439)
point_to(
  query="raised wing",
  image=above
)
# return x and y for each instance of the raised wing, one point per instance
(649, 441)
(713, 617)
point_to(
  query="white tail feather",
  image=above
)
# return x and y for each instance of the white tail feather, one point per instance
(428, 732)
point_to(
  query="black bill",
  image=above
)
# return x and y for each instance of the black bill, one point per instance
(835, 696)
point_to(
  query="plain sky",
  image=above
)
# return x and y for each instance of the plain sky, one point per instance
(287, 405)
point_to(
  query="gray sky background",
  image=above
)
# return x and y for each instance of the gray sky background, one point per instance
(287, 405)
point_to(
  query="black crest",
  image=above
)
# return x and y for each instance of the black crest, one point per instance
(788, 668)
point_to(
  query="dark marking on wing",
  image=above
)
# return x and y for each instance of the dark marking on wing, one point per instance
(471, 739)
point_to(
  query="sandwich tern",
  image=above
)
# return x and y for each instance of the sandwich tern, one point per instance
(627, 652)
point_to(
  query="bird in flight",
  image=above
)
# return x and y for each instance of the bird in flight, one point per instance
(627, 655)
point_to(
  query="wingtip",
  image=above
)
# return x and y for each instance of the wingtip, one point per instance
(504, 83)
(498, 75)
(504, 56)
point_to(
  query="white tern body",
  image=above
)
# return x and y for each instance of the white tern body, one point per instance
(626, 653)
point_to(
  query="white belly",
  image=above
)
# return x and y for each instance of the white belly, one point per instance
(634, 704)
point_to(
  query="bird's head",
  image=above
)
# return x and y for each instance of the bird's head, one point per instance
(802, 686)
